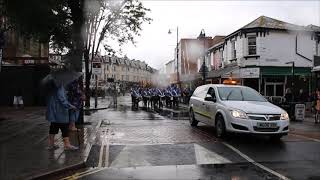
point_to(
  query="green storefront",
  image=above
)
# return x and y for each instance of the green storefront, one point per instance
(274, 80)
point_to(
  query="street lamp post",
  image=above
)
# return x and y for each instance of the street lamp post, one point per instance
(292, 83)
(177, 56)
(202, 36)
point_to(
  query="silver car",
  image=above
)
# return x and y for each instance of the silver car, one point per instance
(239, 109)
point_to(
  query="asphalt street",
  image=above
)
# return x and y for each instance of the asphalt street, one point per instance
(160, 144)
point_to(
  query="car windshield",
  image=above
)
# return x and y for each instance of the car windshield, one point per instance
(239, 94)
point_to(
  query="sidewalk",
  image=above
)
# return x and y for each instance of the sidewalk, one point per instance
(306, 128)
(23, 143)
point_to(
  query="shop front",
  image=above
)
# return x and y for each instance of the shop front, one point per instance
(275, 80)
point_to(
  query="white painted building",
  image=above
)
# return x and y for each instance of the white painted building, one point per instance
(257, 55)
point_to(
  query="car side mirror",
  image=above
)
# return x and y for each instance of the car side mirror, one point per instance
(213, 99)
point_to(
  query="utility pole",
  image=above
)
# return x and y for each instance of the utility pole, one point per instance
(177, 56)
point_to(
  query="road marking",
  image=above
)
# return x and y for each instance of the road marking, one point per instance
(205, 156)
(305, 137)
(103, 136)
(106, 162)
(126, 159)
(249, 159)
(255, 163)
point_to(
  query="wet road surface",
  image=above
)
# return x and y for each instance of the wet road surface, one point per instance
(148, 144)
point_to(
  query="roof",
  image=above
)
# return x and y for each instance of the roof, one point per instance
(267, 22)
(313, 27)
(221, 85)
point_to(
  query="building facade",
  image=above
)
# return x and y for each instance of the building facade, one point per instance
(261, 55)
(24, 63)
(124, 70)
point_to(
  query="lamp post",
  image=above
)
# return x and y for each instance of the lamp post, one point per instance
(292, 83)
(177, 56)
(202, 36)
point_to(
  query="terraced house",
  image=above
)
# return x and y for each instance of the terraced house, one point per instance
(124, 70)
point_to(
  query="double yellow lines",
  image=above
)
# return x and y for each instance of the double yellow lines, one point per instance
(103, 157)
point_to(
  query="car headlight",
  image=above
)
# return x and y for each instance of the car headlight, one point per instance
(284, 116)
(239, 114)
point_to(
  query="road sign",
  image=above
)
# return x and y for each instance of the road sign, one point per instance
(96, 68)
(250, 72)
(300, 110)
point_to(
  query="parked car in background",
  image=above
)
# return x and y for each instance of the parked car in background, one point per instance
(238, 109)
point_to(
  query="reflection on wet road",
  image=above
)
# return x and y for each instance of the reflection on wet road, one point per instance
(160, 144)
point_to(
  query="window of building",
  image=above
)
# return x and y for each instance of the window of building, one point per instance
(114, 68)
(107, 67)
(233, 50)
(252, 45)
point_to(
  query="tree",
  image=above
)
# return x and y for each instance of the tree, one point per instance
(78, 26)
(109, 20)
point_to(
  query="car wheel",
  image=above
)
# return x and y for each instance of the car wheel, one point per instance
(192, 119)
(275, 138)
(220, 127)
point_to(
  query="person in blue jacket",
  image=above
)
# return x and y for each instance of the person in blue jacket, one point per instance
(58, 115)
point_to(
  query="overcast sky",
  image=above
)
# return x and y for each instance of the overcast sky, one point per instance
(156, 46)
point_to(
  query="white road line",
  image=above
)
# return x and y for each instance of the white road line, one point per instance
(205, 156)
(101, 149)
(249, 159)
(305, 137)
(106, 162)
(255, 163)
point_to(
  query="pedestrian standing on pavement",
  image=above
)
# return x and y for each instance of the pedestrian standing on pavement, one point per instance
(288, 95)
(17, 99)
(75, 97)
(57, 114)
(317, 118)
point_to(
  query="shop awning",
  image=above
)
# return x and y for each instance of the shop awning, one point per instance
(285, 71)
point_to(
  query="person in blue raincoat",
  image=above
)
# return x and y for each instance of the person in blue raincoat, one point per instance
(57, 114)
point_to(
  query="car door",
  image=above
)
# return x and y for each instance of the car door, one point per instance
(198, 103)
(210, 107)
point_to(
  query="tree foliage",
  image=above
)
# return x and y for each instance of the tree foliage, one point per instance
(53, 19)
(82, 27)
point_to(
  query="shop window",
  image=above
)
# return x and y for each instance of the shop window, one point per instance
(274, 89)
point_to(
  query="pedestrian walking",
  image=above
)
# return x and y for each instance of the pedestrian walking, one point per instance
(317, 118)
(75, 97)
(288, 95)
